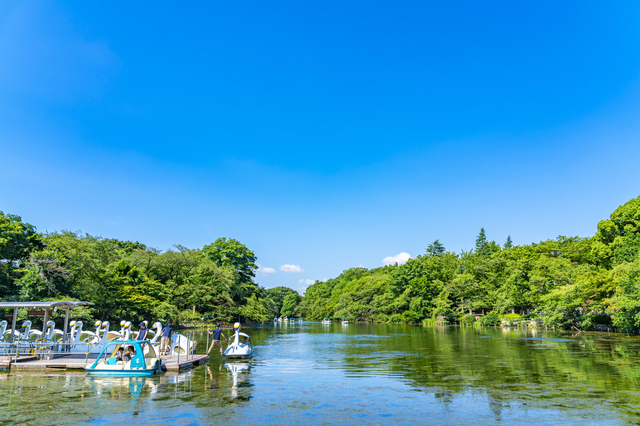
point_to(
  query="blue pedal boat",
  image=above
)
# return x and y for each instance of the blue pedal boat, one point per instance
(111, 362)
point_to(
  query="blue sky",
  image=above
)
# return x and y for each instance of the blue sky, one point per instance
(323, 136)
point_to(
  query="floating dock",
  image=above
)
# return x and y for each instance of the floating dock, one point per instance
(79, 361)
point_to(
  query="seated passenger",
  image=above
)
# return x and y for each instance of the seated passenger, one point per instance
(128, 354)
(119, 354)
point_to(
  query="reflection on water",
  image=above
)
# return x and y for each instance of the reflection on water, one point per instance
(120, 386)
(360, 373)
(237, 368)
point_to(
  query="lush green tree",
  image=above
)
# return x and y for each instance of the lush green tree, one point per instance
(508, 244)
(17, 239)
(616, 240)
(485, 247)
(43, 278)
(257, 308)
(278, 294)
(435, 249)
(233, 254)
(625, 304)
(290, 304)
(481, 241)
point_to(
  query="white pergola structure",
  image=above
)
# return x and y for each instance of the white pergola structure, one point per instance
(46, 307)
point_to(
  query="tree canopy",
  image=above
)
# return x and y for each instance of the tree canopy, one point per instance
(128, 280)
(232, 254)
(564, 282)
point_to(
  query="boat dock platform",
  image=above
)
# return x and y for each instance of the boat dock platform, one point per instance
(79, 361)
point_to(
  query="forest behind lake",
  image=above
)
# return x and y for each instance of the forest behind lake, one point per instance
(568, 282)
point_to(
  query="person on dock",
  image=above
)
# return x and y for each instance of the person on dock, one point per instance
(165, 340)
(142, 333)
(216, 338)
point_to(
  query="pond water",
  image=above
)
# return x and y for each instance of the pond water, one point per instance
(360, 374)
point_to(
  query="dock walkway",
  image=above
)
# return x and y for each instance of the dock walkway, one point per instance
(79, 361)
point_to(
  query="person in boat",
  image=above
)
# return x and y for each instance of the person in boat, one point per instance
(128, 354)
(120, 354)
(142, 333)
(125, 355)
(216, 338)
(165, 340)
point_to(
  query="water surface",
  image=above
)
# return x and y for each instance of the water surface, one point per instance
(360, 374)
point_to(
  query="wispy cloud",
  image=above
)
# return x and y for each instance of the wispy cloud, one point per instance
(291, 269)
(399, 258)
(307, 281)
(265, 270)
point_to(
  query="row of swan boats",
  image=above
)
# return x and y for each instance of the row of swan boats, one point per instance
(26, 340)
(142, 359)
(287, 319)
(327, 321)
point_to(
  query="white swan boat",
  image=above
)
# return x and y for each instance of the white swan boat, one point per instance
(326, 321)
(240, 347)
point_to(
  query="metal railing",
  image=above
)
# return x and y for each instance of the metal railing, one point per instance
(42, 350)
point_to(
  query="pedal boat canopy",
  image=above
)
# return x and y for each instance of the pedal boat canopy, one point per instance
(140, 364)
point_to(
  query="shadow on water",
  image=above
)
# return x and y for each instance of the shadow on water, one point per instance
(361, 373)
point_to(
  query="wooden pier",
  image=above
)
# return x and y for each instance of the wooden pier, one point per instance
(79, 361)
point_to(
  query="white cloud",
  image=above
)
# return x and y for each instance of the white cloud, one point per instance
(265, 270)
(400, 258)
(307, 281)
(290, 269)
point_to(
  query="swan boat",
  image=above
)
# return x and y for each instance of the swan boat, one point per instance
(326, 321)
(237, 348)
(345, 321)
(140, 364)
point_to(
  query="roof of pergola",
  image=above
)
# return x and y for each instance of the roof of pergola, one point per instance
(43, 305)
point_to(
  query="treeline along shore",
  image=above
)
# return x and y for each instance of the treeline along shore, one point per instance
(569, 282)
(130, 281)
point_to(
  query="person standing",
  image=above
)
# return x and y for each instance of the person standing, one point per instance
(165, 340)
(216, 338)
(142, 333)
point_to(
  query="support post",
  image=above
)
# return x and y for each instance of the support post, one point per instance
(66, 326)
(44, 323)
(178, 343)
(44, 329)
(13, 326)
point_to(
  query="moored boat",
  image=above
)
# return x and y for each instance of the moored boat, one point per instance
(126, 358)
(240, 347)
